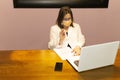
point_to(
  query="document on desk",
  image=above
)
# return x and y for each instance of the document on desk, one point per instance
(65, 53)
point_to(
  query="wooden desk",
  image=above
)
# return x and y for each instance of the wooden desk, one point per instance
(33, 65)
(39, 65)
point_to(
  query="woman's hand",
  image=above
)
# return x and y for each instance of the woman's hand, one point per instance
(62, 36)
(76, 51)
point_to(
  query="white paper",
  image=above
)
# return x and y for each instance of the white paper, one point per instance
(65, 53)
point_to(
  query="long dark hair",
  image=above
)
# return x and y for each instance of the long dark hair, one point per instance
(63, 11)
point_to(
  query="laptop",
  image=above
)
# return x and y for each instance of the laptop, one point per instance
(95, 56)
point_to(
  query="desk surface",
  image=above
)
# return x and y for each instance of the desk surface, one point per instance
(39, 65)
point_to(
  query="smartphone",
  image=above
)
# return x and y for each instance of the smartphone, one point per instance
(58, 66)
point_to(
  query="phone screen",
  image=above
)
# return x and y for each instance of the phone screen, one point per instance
(58, 66)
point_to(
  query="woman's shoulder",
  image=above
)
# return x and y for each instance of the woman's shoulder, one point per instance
(76, 24)
(55, 27)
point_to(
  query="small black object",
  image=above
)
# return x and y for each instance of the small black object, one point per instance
(68, 46)
(67, 33)
(76, 62)
(58, 66)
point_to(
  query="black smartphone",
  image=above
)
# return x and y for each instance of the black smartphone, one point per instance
(58, 66)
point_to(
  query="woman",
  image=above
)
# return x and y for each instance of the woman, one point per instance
(66, 33)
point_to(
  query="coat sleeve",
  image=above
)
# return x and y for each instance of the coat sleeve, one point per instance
(81, 38)
(54, 38)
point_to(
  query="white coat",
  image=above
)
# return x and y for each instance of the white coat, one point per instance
(74, 37)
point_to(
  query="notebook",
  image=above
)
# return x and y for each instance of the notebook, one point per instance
(65, 53)
(95, 56)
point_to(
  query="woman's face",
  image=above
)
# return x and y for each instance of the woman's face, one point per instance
(67, 20)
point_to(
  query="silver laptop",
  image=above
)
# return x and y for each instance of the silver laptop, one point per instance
(95, 56)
